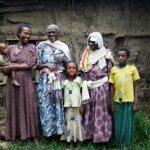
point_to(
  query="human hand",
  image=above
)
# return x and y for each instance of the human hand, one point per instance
(6, 70)
(135, 107)
(81, 109)
(113, 109)
(59, 59)
(52, 67)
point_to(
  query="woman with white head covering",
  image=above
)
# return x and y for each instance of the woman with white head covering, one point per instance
(95, 65)
(52, 56)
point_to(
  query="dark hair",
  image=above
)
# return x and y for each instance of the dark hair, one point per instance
(66, 64)
(20, 28)
(124, 49)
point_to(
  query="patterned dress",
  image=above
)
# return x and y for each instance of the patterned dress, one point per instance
(72, 103)
(50, 101)
(21, 107)
(97, 120)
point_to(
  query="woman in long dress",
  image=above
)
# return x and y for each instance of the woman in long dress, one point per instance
(52, 56)
(21, 106)
(95, 64)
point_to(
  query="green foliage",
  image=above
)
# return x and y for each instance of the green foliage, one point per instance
(142, 132)
(142, 139)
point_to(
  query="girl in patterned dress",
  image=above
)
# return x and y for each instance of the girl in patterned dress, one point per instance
(72, 103)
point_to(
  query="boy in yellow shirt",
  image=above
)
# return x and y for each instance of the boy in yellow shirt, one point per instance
(124, 99)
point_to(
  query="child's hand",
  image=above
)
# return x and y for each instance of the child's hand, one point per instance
(81, 109)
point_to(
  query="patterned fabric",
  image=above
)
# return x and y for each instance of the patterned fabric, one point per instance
(97, 119)
(74, 128)
(49, 97)
(84, 61)
(21, 107)
(123, 79)
(89, 57)
(124, 124)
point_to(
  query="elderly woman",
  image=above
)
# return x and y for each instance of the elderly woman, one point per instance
(95, 64)
(21, 106)
(52, 57)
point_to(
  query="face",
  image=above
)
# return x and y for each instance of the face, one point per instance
(52, 34)
(71, 69)
(92, 45)
(3, 49)
(122, 57)
(25, 35)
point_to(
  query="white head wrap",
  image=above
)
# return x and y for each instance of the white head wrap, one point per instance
(101, 53)
(97, 37)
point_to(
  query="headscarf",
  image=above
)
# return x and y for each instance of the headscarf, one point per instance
(89, 57)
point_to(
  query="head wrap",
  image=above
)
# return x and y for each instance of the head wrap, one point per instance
(100, 55)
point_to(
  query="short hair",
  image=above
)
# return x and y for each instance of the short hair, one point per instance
(124, 49)
(53, 26)
(66, 64)
(21, 26)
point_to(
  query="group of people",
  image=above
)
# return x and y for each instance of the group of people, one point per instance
(77, 103)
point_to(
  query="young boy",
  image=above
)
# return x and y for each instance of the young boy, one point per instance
(4, 61)
(124, 98)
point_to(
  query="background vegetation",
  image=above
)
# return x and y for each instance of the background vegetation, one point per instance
(142, 139)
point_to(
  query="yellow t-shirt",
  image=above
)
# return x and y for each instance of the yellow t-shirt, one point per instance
(123, 79)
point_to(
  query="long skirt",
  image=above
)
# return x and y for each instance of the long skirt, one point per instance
(50, 104)
(21, 108)
(124, 124)
(97, 119)
(74, 127)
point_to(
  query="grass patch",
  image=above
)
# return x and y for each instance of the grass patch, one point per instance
(142, 139)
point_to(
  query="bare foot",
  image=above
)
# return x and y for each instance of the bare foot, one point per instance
(15, 83)
(36, 141)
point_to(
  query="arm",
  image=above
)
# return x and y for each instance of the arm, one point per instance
(11, 67)
(111, 97)
(81, 109)
(136, 101)
(49, 66)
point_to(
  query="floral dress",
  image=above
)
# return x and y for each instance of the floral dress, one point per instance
(72, 103)
(97, 118)
(50, 101)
